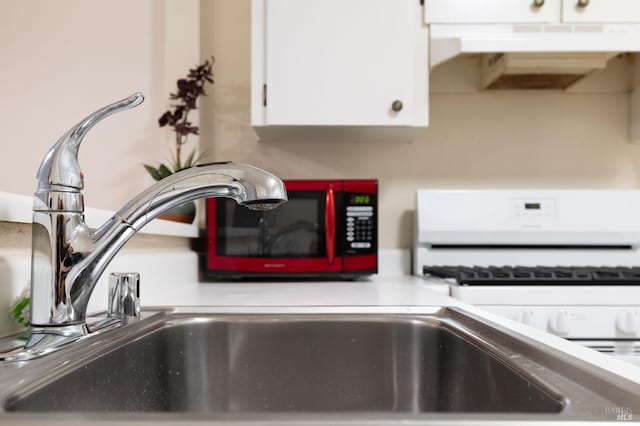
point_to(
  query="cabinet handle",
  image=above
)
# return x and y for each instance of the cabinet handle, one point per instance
(397, 106)
(538, 3)
(583, 3)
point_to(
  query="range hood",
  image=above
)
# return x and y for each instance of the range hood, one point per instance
(534, 56)
(539, 70)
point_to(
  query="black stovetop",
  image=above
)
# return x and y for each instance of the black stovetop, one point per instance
(537, 275)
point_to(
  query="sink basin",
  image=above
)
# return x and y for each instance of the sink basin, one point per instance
(443, 362)
(265, 363)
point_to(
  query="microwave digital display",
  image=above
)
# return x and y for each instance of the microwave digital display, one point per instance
(359, 199)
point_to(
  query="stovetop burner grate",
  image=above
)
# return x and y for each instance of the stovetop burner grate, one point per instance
(536, 275)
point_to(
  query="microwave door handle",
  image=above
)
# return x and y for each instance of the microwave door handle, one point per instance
(330, 225)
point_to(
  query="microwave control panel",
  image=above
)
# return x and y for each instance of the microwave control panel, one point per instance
(360, 223)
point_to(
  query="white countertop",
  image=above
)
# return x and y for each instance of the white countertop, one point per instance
(375, 291)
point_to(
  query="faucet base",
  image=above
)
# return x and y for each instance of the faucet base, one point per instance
(45, 340)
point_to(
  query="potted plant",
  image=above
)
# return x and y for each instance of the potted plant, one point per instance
(185, 100)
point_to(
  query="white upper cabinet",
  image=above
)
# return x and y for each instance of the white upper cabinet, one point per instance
(491, 11)
(601, 11)
(531, 11)
(318, 63)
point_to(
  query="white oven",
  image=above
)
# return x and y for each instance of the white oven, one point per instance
(563, 261)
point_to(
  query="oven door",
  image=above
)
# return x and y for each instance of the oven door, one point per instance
(627, 350)
(297, 238)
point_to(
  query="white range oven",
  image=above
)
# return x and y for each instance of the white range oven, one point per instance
(563, 261)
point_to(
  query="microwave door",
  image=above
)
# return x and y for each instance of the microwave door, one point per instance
(296, 229)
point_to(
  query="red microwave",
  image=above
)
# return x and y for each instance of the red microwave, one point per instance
(328, 228)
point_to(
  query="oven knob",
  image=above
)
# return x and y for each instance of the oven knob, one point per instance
(525, 317)
(559, 323)
(627, 322)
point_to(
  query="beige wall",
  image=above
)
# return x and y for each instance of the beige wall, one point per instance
(476, 140)
(63, 59)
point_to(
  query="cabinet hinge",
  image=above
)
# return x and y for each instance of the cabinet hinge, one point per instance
(264, 95)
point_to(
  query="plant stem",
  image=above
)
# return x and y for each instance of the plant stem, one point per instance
(178, 166)
(181, 140)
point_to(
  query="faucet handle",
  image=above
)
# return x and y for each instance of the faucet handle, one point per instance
(124, 295)
(60, 166)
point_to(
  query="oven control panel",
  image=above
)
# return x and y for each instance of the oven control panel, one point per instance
(533, 210)
(576, 322)
(509, 217)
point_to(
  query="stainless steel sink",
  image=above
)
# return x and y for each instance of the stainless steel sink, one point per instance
(444, 362)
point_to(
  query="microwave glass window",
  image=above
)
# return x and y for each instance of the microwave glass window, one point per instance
(295, 229)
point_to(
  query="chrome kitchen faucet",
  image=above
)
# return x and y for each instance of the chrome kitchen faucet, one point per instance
(68, 257)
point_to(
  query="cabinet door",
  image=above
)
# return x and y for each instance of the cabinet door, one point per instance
(601, 11)
(491, 11)
(336, 62)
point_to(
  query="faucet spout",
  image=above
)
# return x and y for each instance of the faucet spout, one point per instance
(247, 185)
(68, 257)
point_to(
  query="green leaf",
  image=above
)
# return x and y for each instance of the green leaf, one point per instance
(190, 159)
(174, 162)
(18, 310)
(164, 171)
(155, 173)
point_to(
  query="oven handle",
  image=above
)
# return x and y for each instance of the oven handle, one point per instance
(330, 224)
